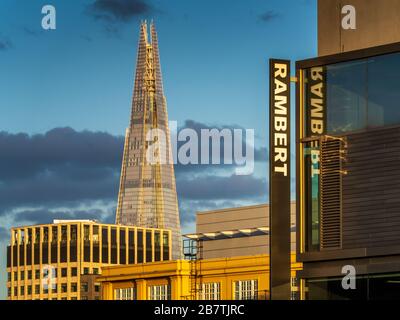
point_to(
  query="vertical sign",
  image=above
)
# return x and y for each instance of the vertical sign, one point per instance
(279, 179)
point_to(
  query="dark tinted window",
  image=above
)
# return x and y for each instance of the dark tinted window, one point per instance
(149, 250)
(139, 246)
(122, 248)
(157, 246)
(114, 246)
(131, 246)
(104, 249)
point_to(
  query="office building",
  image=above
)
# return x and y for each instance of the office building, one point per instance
(348, 208)
(147, 193)
(233, 232)
(226, 259)
(61, 261)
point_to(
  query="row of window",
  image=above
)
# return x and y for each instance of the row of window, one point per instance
(52, 288)
(243, 290)
(33, 234)
(54, 272)
(145, 247)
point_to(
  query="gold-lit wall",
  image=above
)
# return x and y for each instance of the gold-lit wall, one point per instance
(214, 279)
(60, 261)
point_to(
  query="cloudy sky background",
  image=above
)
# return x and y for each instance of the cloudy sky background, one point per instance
(65, 98)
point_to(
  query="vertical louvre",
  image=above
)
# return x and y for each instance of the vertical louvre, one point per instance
(331, 193)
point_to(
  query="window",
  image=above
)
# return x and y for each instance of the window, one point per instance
(15, 276)
(246, 290)
(84, 287)
(45, 235)
(15, 291)
(139, 246)
(341, 98)
(37, 274)
(74, 287)
(96, 287)
(29, 274)
(96, 237)
(37, 289)
(64, 272)
(8, 276)
(211, 291)
(22, 275)
(104, 245)
(29, 290)
(162, 292)
(37, 235)
(84, 298)
(64, 234)
(9, 292)
(85, 270)
(74, 232)
(95, 270)
(149, 250)
(157, 246)
(86, 233)
(165, 246)
(54, 237)
(64, 287)
(22, 291)
(74, 272)
(125, 294)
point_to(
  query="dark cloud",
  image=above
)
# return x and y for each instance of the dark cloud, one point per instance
(25, 156)
(5, 44)
(221, 188)
(64, 168)
(44, 216)
(260, 152)
(268, 16)
(118, 10)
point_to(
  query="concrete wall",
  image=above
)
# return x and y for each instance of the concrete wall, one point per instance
(378, 23)
(234, 219)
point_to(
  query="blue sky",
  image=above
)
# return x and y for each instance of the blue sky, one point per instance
(73, 84)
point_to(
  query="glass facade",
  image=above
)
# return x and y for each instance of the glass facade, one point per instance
(356, 95)
(58, 245)
(339, 99)
(371, 287)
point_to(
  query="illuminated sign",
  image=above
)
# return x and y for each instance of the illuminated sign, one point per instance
(279, 179)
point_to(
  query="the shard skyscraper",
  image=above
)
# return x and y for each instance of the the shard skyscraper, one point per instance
(147, 193)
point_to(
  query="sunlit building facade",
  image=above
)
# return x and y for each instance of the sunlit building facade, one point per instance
(61, 261)
(236, 278)
(147, 193)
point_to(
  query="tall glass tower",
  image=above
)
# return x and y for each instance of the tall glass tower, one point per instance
(147, 192)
